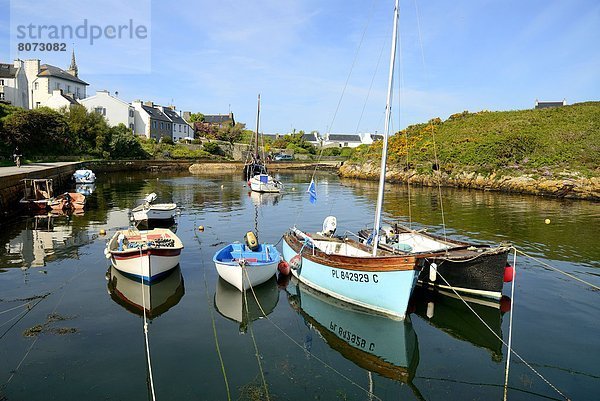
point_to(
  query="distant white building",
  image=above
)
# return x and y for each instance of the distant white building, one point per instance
(59, 100)
(180, 128)
(44, 79)
(150, 121)
(349, 140)
(115, 110)
(13, 84)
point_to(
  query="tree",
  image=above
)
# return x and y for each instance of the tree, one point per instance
(90, 129)
(230, 133)
(196, 117)
(124, 145)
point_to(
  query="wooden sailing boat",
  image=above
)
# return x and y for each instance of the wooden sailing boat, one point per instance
(255, 172)
(367, 276)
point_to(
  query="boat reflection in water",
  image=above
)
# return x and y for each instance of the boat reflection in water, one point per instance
(158, 297)
(375, 343)
(445, 311)
(85, 189)
(242, 307)
(264, 198)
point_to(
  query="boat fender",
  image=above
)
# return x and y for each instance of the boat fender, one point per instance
(505, 304)
(251, 241)
(283, 267)
(296, 262)
(432, 272)
(509, 273)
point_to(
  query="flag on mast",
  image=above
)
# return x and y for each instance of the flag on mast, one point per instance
(312, 191)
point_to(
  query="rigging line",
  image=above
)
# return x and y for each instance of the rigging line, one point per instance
(558, 270)
(256, 353)
(22, 315)
(510, 349)
(153, 393)
(510, 324)
(439, 177)
(304, 349)
(16, 307)
(212, 316)
(347, 80)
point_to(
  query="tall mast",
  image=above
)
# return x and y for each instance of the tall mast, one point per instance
(256, 134)
(388, 112)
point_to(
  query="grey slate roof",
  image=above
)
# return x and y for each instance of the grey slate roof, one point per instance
(47, 70)
(7, 71)
(216, 118)
(310, 137)
(376, 137)
(155, 113)
(344, 138)
(174, 116)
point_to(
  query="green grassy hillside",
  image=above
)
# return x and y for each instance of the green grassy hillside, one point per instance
(529, 141)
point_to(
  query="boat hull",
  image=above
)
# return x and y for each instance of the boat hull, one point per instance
(267, 186)
(244, 268)
(146, 263)
(155, 212)
(383, 285)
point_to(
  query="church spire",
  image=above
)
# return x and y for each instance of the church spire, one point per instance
(73, 67)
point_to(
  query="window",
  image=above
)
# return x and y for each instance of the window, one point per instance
(37, 105)
(179, 127)
(162, 125)
(153, 124)
(100, 110)
(130, 113)
(57, 85)
(68, 88)
(78, 92)
(131, 127)
(1, 95)
(1, 82)
(36, 85)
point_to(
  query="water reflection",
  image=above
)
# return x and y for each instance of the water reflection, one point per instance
(265, 199)
(85, 189)
(158, 297)
(375, 343)
(243, 308)
(38, 239)
(449, 314)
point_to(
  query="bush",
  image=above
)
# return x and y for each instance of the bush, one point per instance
(213, 148)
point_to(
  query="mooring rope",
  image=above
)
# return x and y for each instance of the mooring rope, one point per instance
(558, 270)
(509, 348)
(212, 316)
(148, 358)
(304, 349)
(510, 322)
(256, 353)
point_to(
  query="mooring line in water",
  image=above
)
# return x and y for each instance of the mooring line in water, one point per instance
(509, 348)
(252, 334)
(304, 349)
(558, 270)
(63, 285)
(510, 323)
(151, 376)
(212, 316)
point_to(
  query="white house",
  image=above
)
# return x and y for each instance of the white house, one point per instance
(59, 100)
(115, 110)
(43, 79)
(180, 128)
(13, 84)
(150, 121)
(348, 140)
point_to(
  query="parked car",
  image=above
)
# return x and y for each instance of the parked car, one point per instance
(283, 157)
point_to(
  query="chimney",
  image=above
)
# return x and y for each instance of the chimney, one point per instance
(149, 103)
(187, 115)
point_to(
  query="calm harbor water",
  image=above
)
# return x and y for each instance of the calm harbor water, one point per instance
(71, 327)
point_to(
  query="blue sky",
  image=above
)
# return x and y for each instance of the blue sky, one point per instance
(470, 55)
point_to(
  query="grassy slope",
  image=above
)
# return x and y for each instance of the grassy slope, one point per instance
(529, 141)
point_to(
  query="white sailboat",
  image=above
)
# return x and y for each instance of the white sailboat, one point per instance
(366, 276)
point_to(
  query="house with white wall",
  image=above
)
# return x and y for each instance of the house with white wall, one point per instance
(43, 79)
(115, 110)
(180, 128)
(59, 100)
(150, 121)
(13, 84)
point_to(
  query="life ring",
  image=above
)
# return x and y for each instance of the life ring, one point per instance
(251, 241)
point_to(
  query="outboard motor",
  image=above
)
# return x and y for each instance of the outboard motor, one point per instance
(251, 241)
(329, 226)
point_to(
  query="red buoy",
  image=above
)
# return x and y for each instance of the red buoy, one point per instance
(509, 273)
(283, 267)
(504, 304)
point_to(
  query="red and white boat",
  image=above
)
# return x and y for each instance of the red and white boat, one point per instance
(144, 255)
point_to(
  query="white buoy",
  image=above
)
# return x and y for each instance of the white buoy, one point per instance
(432, 272)
(430, 308)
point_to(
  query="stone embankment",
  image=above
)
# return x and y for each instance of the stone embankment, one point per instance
(568, 185)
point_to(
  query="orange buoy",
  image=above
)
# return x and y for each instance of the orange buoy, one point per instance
(509, 273)
(283, 267)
